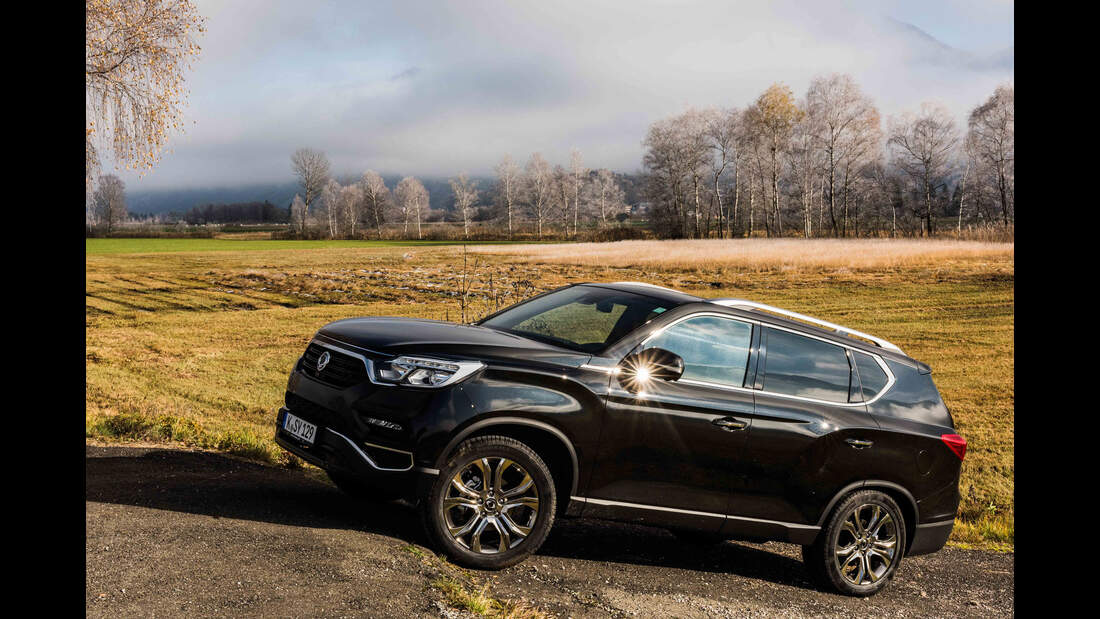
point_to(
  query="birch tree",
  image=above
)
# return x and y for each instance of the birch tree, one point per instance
(992, 136)
(298, 214)
(508, 181)
(412, 199)
(606, 196)
(109, 202)
(136, 55)
(847, 129)
(538, 178)
(923, 147)
(775, 114)
(465, 193)
(577, 174)
(376, 198)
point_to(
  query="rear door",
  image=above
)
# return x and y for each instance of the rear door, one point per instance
(809, 432)
(670, 452)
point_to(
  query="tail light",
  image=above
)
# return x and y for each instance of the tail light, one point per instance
(956, 444)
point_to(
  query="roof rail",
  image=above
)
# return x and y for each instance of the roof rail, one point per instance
(647, 286)
(743, 303)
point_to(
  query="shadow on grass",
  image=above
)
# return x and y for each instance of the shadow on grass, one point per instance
(223, 487)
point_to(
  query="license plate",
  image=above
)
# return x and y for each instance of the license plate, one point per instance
(300, 428)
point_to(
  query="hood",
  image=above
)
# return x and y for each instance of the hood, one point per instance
(401, 336)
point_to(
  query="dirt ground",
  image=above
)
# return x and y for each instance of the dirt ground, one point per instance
(172, 532)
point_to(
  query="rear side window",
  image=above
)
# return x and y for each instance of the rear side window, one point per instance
(805, 367)
(714, 349)
(871, 376)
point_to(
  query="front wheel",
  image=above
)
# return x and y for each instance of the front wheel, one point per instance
(861, 545)
(492, 505)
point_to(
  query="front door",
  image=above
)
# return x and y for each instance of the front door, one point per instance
(671, 451)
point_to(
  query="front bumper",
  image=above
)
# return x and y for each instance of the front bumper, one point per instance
(376, 465)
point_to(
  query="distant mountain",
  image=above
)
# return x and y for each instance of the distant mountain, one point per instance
(180, 201)
(929, 49)
(163, 201)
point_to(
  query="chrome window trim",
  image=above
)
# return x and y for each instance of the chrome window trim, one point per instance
(607, 503)
(692, 381)
(890, 378)
(878, 341)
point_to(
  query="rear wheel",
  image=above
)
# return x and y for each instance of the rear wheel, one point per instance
(359, 489)
(492, 505)
(861, 546)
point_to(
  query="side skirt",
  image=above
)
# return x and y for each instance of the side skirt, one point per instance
(660, 516)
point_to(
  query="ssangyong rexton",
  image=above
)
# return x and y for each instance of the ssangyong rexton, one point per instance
(715, 418)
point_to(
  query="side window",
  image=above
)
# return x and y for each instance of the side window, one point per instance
(714, 349)
(871, 377)
(805, 367)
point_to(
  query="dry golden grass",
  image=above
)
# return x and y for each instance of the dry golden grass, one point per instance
(194, 347)
(761, 254)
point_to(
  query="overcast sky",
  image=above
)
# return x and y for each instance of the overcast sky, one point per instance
(434, 88)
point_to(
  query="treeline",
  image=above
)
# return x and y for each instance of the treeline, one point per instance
(241, 212)
(550, 200)
(824, 165)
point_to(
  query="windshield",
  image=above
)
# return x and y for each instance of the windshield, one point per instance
(583, 318)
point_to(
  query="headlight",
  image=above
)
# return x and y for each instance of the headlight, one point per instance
(423, 372)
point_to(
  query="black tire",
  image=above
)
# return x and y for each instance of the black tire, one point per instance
(495, 450)
(839, 572)
(358, 489)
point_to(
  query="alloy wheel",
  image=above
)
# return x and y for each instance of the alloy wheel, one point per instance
(491, 505)
(866, 545)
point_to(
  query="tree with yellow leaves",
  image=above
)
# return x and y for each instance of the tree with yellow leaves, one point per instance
(137, 52)
(774, 116)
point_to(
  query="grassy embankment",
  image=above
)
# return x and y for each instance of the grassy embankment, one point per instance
(190, 340)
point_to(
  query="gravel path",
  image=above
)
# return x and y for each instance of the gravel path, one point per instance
(173, 532)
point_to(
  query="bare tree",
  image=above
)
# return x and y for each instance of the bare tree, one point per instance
(465, 192)
(298, 214)
(312, 169)
(412, 199)
(923, 148)
(578, 173)
(109, 202)
(721, 128)
(136, 54)
(508, 183)
(606, 196)
(537, 190)
(847, 129)
(992, 136)
(330, 204)
(376, 197)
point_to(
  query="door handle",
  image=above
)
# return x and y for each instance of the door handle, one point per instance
(729, 424)
(859, 443)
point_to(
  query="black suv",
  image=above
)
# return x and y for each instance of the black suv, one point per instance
(715, 418)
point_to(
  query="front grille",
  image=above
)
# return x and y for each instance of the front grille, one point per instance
(315, 413)
(342, 371)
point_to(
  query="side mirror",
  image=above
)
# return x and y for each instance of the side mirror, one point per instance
(650, 364)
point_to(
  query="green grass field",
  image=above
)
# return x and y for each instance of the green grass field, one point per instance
(191, 340)
(145, 246)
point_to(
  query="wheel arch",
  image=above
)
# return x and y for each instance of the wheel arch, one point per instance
(552, 445)
(901, 496)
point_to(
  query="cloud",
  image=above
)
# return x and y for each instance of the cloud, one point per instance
(432, 88)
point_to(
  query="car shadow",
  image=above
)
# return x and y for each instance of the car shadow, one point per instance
(225, 487)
